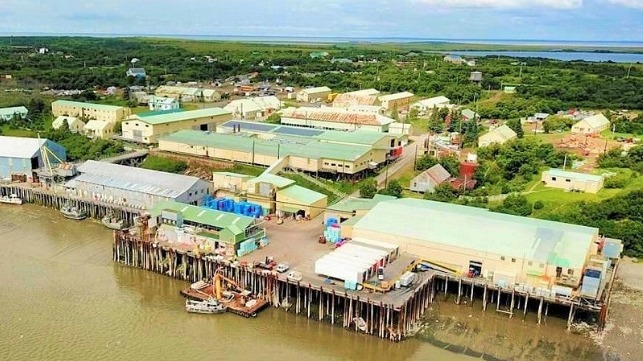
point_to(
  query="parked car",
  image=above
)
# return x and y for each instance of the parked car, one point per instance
(282, 267)
(294, 276)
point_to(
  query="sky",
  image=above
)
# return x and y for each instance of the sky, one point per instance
(581, 20)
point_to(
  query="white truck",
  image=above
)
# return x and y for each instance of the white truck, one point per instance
(407, 279)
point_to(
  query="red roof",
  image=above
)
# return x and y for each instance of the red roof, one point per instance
(458, 183)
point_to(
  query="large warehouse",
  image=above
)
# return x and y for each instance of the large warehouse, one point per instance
(136, 187)
(335, 119)
(508, 249)
(106, 113)
(20, 157)
(150, 127)
(321, 153)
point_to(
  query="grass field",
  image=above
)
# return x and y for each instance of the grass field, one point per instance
(6, 131)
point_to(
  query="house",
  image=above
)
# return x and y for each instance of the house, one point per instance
(7, 114)
(468, 114)
(429, 179)
(591, 125)
(211, 95)
(506, 249)
(135, 187)
(572, 181)
(500, 135)
(401, 129)
(397, 100)
(106, 113)
(21, 157)
(455, 59)
(192, 95)
(148, 128)
(310, 95)
(476, 76)
(426, 105)
(75, 125)
(98, 129)
(170, 91)
(254, 108)
(162, 103)
(136, 73)
(335, 119)
(365, 97)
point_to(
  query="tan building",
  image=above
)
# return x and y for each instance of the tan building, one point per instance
(75, 125)
(299, 201)
(310, 95)
(399, 100)
(591, 125)
(335, 119)
(511, 251)
(254, 108)
(148, 129)
(86, 111)
(229, 183)
(572, 181)
(500, 135)
(359, 98)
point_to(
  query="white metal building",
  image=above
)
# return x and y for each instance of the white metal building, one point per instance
(136, 187)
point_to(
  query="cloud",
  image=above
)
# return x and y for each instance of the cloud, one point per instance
(557, 4)
(638, 4)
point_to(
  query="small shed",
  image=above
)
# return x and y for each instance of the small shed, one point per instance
(297, 200)
(572, 181)
(429, 179)
(500, 135)
(591, 125)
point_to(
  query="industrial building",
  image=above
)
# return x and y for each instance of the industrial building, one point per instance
(254, 108)
(21, 157)
(499, 135)
(506, 249)
(7, 114)
(397, 100)
(275, 194)
(220, 229)
(310, 154)
(572, 181)
(310, 95)
(85, 111)
(353, 208)
(188, 94)
(359, 98)
(591, 125)
(135, 187)
(335, 119)
(148, 128)
(426, 105)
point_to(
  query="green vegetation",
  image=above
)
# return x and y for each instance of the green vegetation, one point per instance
(164, 164)
(393, 188)
(368, 189)
(302, 181)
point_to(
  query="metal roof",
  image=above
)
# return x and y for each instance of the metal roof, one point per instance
(256, 104)
(319, 89)
(355, 98)
(575, 175)
(136, 179)
(13, 110)
(94, 124)
(151, 113)
(437, 173)
(351, 204)
(301, 195)
(469, 114)
(170, 117)
(396, 96)
(335, 115)
(433, 101)
(503, 132)
(236, 223)
(277, 181)
(303, 147)
(69, 103)
(595, 121)
(19, 147)
(560, 244)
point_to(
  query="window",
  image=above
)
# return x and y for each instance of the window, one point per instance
(570, 272)
(553, 178)
(502, 258)
(147, 125)
(513, 260)
(568, 180)
(542, 265)
(333, 164)
(530, 263)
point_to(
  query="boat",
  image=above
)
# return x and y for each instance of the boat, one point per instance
(112, 222)
(210, 306)
(11, 199)
(72, 212)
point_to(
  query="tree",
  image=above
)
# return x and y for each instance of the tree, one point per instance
(274, 118)
(393, 188)
(452, 164)
(368, 189)
(426, 162)
(394, 112)
(515, 125)
(442, 193)
(518, 205)
(65, 127)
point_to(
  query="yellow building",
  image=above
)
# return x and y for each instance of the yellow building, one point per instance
(510, 251)
(591, 125)
(299, 201)
(397, 100)
(500, 135)
(572, 181)
(148, 129)
(87, 111)
(310, 95)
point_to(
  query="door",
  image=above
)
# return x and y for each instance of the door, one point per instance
(475, 269)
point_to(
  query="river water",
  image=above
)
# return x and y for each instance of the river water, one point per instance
(64, 299)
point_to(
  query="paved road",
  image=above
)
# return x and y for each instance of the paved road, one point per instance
(407, 158)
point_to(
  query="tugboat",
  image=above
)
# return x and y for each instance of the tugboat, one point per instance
(111, 222)
(72, 212)
(11, 199)
(210, 306)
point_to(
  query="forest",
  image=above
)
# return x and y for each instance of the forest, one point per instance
(542, 85)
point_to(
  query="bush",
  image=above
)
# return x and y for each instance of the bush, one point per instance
(616, 181)
(368, 189)
(164, 164)
(539, 205)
